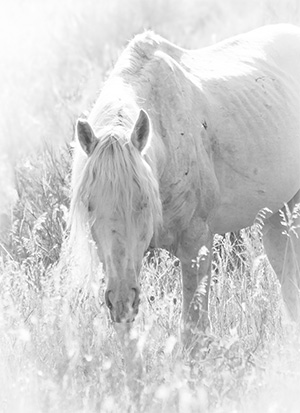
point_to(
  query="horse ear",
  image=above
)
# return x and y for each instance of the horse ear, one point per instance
(141, 131)
(86, 136)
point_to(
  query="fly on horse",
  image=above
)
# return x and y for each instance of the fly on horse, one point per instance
(183, 144)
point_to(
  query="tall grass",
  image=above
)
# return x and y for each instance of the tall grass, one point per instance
(58, 349)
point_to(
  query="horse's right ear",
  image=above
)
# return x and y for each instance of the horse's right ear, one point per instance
(141, 131)
(86, 136)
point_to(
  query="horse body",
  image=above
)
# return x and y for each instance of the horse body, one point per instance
(253, 91)
(220, 142)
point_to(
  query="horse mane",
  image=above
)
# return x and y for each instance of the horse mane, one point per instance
(115, 171)
(137, 54)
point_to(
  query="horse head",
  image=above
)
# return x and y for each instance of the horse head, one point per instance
(120, 193)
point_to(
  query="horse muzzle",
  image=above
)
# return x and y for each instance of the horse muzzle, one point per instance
(123, 308)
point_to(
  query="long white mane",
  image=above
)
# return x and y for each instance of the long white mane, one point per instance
(122, 179)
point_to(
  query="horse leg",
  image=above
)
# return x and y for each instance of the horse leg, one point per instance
(195, 259)
(283, 252)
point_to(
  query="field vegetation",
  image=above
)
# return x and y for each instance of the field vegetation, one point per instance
(59, 352)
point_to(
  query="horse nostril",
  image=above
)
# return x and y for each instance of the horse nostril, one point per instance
(136, 300)
(107, 300)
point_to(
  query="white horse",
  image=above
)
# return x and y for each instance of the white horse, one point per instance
(184, 144)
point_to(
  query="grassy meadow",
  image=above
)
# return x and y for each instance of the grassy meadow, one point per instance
(59, 352)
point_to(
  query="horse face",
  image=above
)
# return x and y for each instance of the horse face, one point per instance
(124, 207)
(121, 249)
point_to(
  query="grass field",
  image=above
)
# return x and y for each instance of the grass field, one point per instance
(58, 349)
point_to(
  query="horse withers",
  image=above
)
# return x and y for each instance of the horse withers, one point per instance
(183, 144)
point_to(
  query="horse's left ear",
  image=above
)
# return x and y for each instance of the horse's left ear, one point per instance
(86, 136)
(141, 131)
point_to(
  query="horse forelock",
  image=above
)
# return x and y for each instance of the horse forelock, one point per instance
(121, 181)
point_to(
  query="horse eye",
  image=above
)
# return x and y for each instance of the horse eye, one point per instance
(143, 204)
